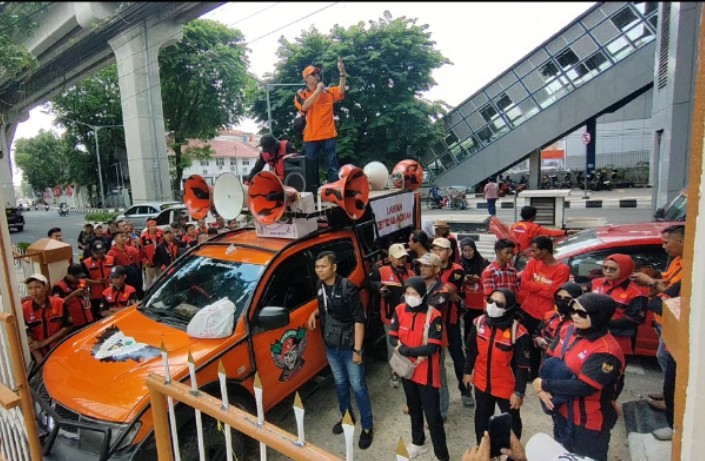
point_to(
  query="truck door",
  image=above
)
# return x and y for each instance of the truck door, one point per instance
(289, 356)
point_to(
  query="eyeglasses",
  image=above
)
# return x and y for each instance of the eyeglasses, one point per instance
(579, 312)
(499, 304)
(565, 299)
(609, 269)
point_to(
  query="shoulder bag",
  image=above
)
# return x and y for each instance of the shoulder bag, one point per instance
(403, 366)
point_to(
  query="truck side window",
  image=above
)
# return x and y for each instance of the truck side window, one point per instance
(163, 218)
(291, 284)
(344, 251)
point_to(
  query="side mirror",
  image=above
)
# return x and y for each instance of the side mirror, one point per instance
(273, 317)
(660, 214)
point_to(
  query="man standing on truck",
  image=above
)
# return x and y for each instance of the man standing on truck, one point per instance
(343, 328)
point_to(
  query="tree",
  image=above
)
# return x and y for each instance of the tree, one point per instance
(17, 21)
(44, 160)
(204, 78)
(389, 64)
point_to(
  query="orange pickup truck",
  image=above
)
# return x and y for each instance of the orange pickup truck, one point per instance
(90, 393)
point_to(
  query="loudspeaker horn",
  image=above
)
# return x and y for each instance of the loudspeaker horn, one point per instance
(267, 197)
(351, 192)
(228, 196)
(198, 196)
(407, 174)
(377, 174)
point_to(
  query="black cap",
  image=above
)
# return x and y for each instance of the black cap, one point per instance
(77, 271)
(97, 246)
(118, 271)
(268, 142)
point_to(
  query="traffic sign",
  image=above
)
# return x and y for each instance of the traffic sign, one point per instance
(586, 137)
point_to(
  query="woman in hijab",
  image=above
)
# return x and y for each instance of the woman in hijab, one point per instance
(590, 351)
(631, 299)
(555, 320)
(416, 333)
(497, 361)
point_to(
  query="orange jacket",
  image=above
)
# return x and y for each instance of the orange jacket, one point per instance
(319, 117)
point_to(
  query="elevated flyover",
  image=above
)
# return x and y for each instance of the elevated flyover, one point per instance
(596, 64)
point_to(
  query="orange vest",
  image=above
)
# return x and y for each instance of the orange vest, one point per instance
(387, 304)
(44, 322)
(98, 270)
(79, 310)
(118, 299)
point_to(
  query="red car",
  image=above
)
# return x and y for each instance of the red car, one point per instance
(585, 251)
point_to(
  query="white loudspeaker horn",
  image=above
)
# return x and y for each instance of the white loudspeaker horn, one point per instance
(228, 196)
(377, 174)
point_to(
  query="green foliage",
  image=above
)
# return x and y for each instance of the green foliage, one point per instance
(17, 21)
(389, 63)
(204, 78)
(100, 216)
(45, 160)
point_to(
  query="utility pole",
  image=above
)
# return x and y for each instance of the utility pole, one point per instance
(267, 87)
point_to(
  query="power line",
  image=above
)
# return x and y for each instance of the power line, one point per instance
(253, 14)
(291, 23)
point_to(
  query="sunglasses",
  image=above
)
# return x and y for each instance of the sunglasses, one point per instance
(499, 304)
(609, 269)
(579, 312)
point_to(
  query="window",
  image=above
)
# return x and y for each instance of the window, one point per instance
(245, 161)
(588, 266)
(624, 18)
(233, 161)
(204, 162)
(567, 58)
(549, 70)
(503, 101)
(488, 112)
(344, 252)
(205, 171)
(220, 161)
(292, 284)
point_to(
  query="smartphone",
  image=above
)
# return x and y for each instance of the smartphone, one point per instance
(499, 430)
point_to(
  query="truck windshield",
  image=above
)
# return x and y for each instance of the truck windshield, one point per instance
(676, 211)
(199, 282)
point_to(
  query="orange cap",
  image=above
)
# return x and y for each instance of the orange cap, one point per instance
(309, 70)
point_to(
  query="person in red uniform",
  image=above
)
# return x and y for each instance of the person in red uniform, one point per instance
(191, 238)
(98, 268)
(273, 154)
(406, 335)
(442, 230)
(167, 251)
(46, 318)
(150, 238)
(119, 294)
(525, 230)
(453, 277)
(73, 289)
(583, 423)
(630, 299)
(497, 361)
(129, 257)
(501, 273)
(388, 280)
(539, 281)
(554, 321)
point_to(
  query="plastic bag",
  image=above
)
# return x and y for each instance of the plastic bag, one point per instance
(213, 321)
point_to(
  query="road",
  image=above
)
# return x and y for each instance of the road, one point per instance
(37, 223)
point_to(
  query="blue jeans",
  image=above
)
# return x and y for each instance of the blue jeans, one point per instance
(327, 147)
(348, 374)
(661, 353)
(492, 206)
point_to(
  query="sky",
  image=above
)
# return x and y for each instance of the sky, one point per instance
(480, 39)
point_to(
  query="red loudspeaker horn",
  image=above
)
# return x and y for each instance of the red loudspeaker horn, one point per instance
(267, 197)
(407, 174)
(198, 196)
(351, 192)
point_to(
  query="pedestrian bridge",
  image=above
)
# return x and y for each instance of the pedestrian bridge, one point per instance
(595, 65)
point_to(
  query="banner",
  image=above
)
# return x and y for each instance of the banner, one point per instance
(393, 213)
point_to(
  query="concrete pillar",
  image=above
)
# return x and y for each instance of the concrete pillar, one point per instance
(7, 134)
(137, 50)
(535, 169)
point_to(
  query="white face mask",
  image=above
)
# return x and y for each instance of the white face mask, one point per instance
(412, 301)
(494, 311)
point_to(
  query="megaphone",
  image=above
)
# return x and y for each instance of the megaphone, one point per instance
(228, 196)
(377, 174)
(198, 196)
(407, 174)
(267, 197)
(351, 192)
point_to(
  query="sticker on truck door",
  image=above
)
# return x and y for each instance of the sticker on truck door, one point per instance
(287, 353)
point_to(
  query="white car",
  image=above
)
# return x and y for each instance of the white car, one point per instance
(140, 213)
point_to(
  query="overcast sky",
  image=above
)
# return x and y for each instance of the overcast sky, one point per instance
(480, 39)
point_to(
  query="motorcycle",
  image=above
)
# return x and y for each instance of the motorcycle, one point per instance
(453, 199)
(63, 210)
(46, 207)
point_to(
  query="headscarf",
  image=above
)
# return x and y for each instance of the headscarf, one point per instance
(574, 290)
(507, 319)
(475, 265)
(600, 309)
(626, 267)
(418, 284)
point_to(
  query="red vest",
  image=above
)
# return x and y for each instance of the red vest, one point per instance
(410, 332)
(44, 322)
(120, 299)
(98, 270)
(149, 245)
(79, 311)
(274, 160)
(452, 315)
(622, 296)
(589, 412)
(387, 304)
(493, 372)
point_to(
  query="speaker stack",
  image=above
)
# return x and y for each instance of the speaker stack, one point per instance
(301, 173)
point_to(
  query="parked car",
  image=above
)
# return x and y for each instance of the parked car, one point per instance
(585, 251)
(15, 220)
(23, 206)
(141, 213)
(171, 214)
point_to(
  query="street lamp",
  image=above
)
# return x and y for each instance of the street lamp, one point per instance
(95, 129)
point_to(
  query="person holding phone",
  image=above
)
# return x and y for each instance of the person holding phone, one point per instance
(554, 321)
(583, 423)
(423, 346)
(497, 361)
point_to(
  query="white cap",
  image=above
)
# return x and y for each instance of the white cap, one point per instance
(543, 447)
(397, 250)
(38, 277)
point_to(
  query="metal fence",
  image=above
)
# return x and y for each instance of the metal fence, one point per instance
(24, 267)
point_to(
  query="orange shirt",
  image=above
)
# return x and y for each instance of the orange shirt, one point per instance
(538, 284)
(319, 117)
(525, 231)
